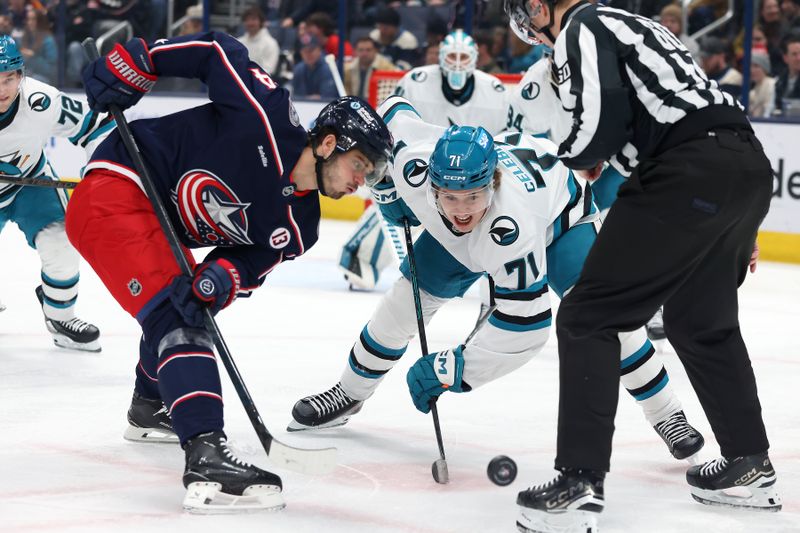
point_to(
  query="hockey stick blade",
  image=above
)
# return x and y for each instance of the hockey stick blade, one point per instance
(301, 460)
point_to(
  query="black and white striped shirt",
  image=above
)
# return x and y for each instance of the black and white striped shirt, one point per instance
(626, 80)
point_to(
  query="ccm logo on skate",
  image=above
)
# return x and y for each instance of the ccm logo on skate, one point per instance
(747, 477)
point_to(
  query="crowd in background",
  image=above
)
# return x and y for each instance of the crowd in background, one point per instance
(289, 39)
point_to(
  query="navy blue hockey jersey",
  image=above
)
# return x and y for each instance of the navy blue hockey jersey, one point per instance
(224, 168)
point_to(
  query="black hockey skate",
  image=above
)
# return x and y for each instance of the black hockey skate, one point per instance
(680, 437)
(73, 333)
(655, 327)
(747, 482)
(328, 409)
(148, 421)
(570, 503)
(217, 481)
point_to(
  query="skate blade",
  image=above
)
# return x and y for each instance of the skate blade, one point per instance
(755, 498)
(294, 425)
(154, 435)
(534, 521)
(206, 498)
(65, 342)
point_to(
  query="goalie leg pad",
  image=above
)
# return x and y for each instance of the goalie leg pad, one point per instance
(366, 253)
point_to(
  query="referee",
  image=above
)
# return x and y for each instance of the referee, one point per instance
(681, 233)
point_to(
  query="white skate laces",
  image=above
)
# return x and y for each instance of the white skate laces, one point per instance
(329, 401)
(674, 428)
(712, 468)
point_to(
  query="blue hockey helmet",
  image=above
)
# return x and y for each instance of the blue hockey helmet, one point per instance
(461, 171)
(357, 127)
(10, 57)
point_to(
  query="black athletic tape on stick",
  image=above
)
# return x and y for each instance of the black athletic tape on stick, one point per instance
(38, 182)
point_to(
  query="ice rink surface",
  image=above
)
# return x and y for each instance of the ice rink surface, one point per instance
(65, 467)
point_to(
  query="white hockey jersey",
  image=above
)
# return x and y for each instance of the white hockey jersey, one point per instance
(484, 100)
(40, 112)
(533, 105)
(538, 198)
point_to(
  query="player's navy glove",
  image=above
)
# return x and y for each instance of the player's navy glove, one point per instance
(122, 77)
(433, 374)
(214, 285)
(393, 208)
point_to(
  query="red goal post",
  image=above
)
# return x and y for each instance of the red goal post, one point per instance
(383, 82)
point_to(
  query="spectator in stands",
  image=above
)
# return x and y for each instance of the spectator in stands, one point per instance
(791, 12)
(304, 9)
(435, 30)
(193, 24)
(312, 78)
(399, 45)
(774, 26)
(261, 46)
(486, 61)
(715, 60)
(80, 22)
(38, 47)
(18, 14)
(5, 24)
(432, 54)
(787, 87)
(704, 12)
(358, 72)
(323, 27)
(671, 17)
(762, 92)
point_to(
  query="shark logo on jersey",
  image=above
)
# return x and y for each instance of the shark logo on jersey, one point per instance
(10, 163)
(419, 76)
(530, 91)
(499, 87)
(414, 172)
(38, 101)
(504, 230)
(210, 211)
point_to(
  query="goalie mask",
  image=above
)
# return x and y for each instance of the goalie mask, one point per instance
(461, 171)
(520, 18)
(458, 56)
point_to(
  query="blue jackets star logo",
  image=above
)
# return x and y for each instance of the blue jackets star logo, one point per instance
(210, 211)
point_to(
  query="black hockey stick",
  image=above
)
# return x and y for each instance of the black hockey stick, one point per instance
(297, 459)
(439, 466)
(38, 182)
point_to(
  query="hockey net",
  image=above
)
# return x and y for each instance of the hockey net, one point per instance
(383, 82)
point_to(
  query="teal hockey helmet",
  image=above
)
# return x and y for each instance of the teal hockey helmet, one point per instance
(10, 57)
(461, 171)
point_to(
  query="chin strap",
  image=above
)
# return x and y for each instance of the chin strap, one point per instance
(318, 171)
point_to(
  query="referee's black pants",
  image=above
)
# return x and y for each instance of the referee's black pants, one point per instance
(680, 234)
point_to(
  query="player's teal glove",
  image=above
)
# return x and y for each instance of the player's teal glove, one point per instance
(393, 208)
(433, 374)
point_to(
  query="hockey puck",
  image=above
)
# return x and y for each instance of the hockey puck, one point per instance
(502, 470)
